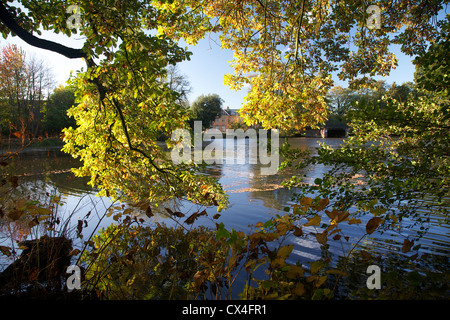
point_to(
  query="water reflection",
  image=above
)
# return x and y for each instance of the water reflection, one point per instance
(253, 198)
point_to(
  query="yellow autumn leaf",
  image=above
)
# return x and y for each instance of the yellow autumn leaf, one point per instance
(285, 251)
(394, 218)
(306, 201)
(314, 221)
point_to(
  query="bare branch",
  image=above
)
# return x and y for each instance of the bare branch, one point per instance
(23, 34)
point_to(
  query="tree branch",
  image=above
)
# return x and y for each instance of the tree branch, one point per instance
(23, 34)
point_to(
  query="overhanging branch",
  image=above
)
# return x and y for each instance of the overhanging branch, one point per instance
(23, 34)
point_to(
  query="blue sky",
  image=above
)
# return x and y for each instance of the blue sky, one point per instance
(205, 71)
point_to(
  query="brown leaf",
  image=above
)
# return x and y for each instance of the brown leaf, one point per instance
(5, 250)
(14, 181)
(216, 216)
(199, 278)
(148, 212)
(306, 201)
(192, 218)
(407, 245)
(282, 228)
(143, 205)
(322, 204)
(298, 232)
(373, 224)
(74, 252)
(15, 215)
(413, 257)
(285, 251)
(342, 216)
(80, 226)
(178, 214)
(331, 214)
(33, 222)
(354, 221)
(322, 238)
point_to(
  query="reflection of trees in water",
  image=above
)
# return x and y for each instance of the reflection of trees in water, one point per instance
(51, 166)
(273, 199)
(426, 278)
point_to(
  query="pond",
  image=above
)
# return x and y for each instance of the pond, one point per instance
(253, 198)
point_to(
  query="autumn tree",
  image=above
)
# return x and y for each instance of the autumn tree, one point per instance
(25, 84)
(13, 87)
(288, 50)
(122, 104)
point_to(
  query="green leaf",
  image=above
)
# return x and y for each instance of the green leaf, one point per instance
(221, 232)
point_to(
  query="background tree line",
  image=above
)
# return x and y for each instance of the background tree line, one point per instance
(28, 107)
(342, 100)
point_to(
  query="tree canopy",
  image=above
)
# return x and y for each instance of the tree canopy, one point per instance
(396, 165)
(207, 108)
(286, 50)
